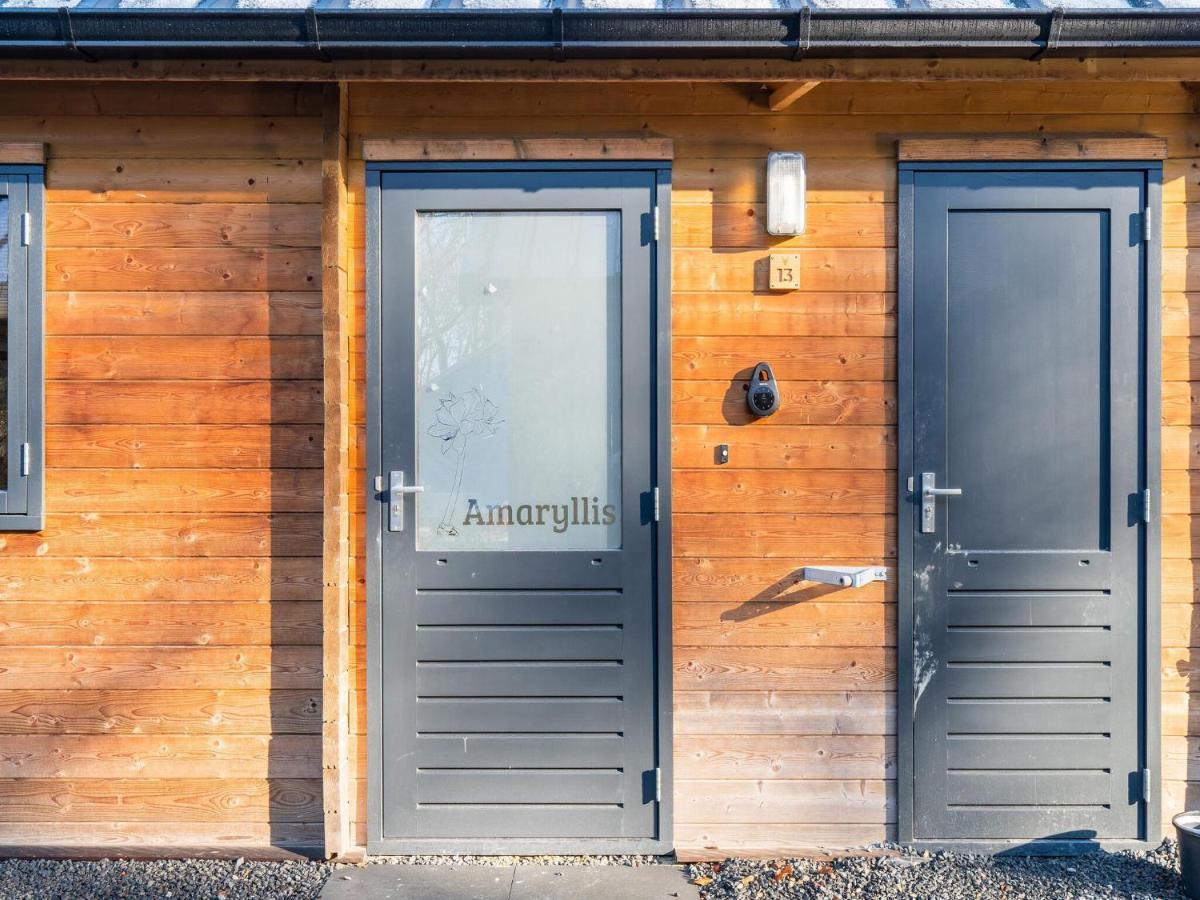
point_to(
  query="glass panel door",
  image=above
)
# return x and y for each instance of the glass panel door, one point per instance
(518, 380)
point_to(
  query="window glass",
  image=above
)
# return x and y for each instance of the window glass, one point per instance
(518, 380)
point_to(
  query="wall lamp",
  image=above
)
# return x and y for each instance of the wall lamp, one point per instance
(785, 193)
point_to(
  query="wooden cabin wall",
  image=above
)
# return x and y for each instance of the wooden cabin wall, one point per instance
(784, 693)
(160, 640)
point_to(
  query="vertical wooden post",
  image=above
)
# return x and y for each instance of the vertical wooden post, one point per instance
(337, 756)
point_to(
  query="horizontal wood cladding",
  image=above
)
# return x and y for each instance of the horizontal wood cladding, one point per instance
(28, 154)
(784, 701)
(1048, 147)
(505, 148)
(162, 634)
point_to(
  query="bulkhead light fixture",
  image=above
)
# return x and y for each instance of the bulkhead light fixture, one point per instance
(785, 193)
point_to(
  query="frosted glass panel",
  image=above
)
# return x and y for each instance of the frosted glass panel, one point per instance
(518, 380)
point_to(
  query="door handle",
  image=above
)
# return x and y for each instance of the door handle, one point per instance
(396, 491)
(929, 494)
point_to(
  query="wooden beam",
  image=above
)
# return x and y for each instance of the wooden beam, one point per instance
(1110, 69)
(787, 94)
(22, 154)
(337, 754)
(1036, 147)
(634, 147)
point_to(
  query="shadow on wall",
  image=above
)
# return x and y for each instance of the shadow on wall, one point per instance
(1181, 449)
(293, 546)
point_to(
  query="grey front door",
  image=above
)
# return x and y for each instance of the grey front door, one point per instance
(1026, 358)
(516, 664)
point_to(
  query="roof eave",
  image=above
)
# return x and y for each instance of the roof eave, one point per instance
(332, 34)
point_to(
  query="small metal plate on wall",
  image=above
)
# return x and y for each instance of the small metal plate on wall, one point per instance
(784, 271)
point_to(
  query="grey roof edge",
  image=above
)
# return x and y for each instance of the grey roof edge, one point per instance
(98, 33)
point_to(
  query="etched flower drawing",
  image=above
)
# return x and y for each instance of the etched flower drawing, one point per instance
(462, 418)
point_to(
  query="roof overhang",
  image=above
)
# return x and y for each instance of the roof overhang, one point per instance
(558, 33)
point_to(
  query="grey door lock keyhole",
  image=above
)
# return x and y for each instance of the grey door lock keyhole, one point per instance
(762, 395)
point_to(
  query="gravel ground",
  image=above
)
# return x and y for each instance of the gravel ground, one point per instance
(167, 879)
(894, 872)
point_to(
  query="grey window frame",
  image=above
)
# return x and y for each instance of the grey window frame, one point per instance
(22, 504)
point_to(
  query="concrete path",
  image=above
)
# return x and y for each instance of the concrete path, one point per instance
(385, 882)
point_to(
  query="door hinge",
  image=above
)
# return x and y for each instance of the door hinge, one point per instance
(1146, 785)
(658, 785)
(26, 459)
(1147, 226)
(26, 229)
(657, 505)
(1146, 505)
(656, 225)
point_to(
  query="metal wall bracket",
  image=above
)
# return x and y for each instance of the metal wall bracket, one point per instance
(844, 576)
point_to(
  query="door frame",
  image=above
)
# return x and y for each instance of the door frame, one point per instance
(660, 405)
(1150, 576)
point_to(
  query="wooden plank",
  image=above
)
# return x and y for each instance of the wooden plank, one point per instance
(784, 669)
(718, 841)
(724, 179)
(337, 741)
(837, 136)
(550, 147)
(164, 98)
(1180, 581)
(185, 490)
(160, 624)
(802, 403)
(13, 153)
(157, 711)
(744, 226)
(786, 446)
(122, 668)
(93, 313)
(856, 802)
(785, 624)
(169, 402)
(800, 314)
(1178, 537)
(132, 535)
(713, 579)
(455, 101)
(1180, 313)
(1181, 669)
(160, 800)
(822, 269)
(1181, 625)
(181, 269)
(1033, 147)
(207, 225)
(772, 535)
(1180, 757)
(98, 579)
(152, 840)
(158, 136)
(787, 94)
(75, 756)
(794, 491)
(784, 756)
(103, 179)
(792, 358)
(183, 446)
(169, 356)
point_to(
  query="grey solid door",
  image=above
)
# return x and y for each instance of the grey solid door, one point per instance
(1028, 335)
(517, 702)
